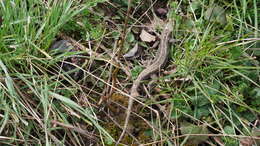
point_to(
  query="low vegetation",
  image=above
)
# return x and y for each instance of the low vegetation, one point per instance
(208, 93)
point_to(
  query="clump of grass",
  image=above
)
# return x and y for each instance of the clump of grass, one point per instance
(31, 99)
(223, 74)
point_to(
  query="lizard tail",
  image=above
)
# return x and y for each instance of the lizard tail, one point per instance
(128, 112)
(134, 93)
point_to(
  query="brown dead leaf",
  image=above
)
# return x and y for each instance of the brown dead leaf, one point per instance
(161, 11)
(147, 37)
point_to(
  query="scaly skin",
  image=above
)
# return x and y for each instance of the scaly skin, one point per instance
(158, 63)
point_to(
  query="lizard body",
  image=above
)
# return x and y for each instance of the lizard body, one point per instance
(158, 63)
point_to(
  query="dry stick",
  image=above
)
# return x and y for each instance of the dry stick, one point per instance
(119, 55)
(159, 61)
(109, 91)
(77, 129)
(115, 72)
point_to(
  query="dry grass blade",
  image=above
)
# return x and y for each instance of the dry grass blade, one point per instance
(77, 129)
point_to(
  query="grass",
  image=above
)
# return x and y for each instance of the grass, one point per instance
(211, 94)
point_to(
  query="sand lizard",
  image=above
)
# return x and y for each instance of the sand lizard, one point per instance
(158, 63)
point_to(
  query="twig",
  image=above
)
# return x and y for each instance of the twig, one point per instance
(121, 45)
(77, 129)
